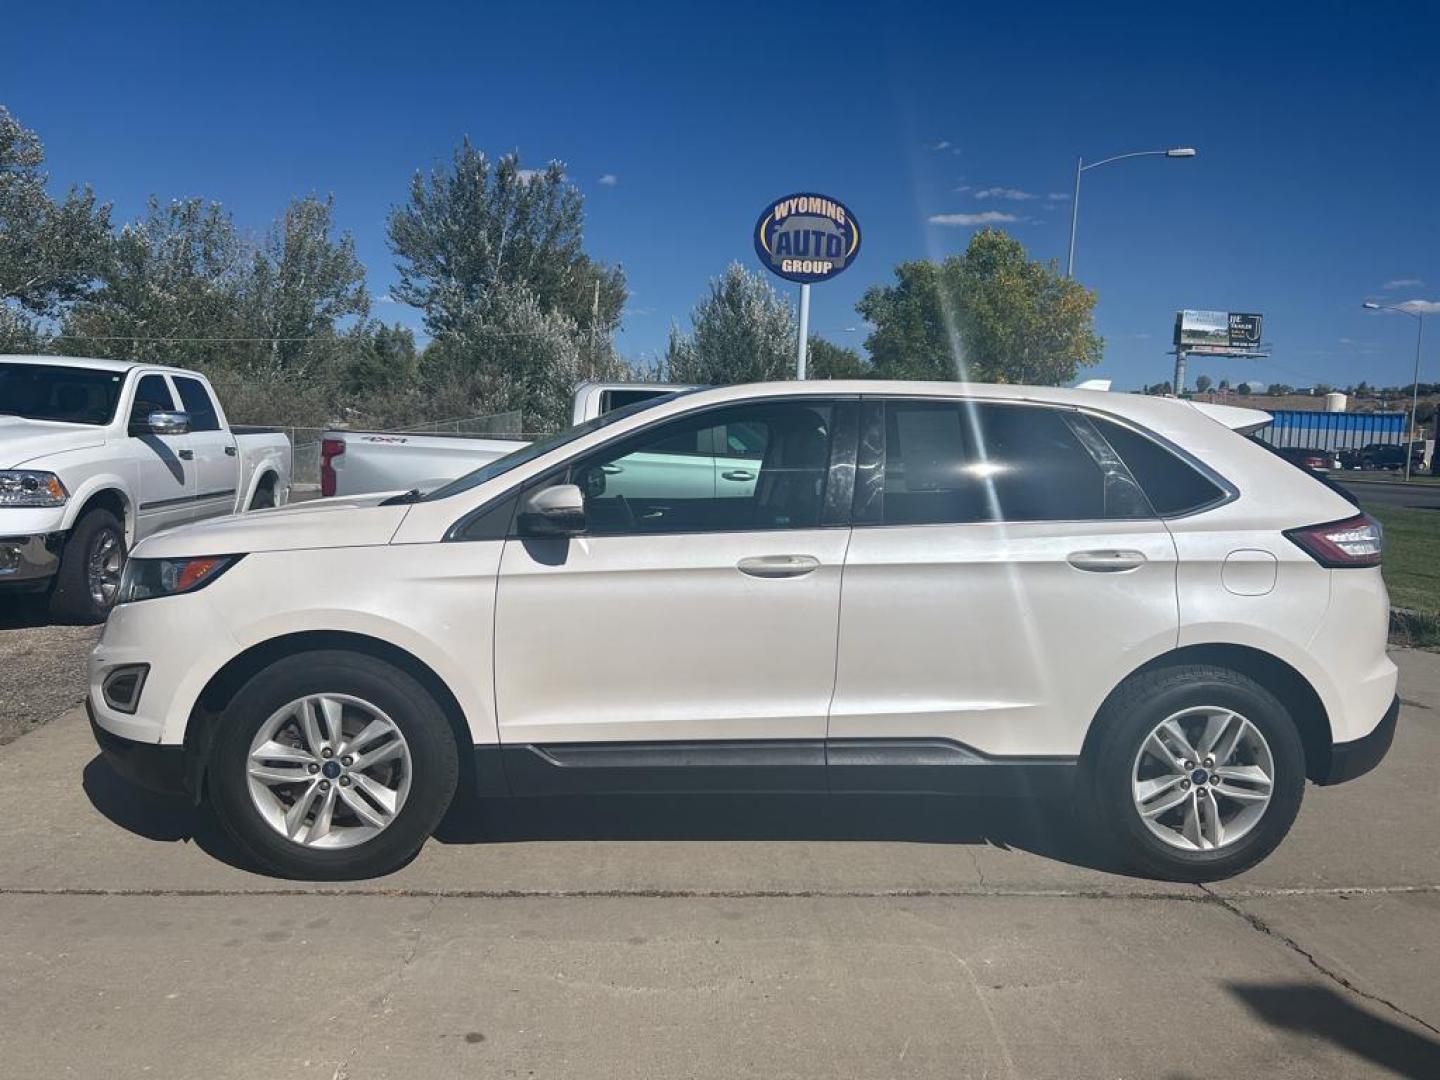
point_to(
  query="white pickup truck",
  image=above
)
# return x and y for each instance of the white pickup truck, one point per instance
(365, 462)
(95, 455)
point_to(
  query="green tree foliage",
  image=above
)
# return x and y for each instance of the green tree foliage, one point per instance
(509, 353)
(169, 291)
(50, 252)
(1203, 383)
(475, 226)
(826, 360)
(383, 360)
(991, 314)
(741, 331)
(301, 282)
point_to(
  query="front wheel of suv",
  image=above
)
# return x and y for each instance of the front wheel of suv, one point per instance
(1196, 773)
(332, 765)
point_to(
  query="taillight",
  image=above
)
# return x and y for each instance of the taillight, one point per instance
(330, 449)
(1355, 541)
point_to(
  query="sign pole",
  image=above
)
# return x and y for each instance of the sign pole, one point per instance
(1179, 387)
(804, 331)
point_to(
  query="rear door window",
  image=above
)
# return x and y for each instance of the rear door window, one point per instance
(965, 462)
(196, 401)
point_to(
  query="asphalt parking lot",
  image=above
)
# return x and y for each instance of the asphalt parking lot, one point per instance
(714, 938)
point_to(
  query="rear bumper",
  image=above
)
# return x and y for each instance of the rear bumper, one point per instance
(151, 766)
(1357, 757)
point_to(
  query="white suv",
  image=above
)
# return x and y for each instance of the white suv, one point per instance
(912, 587)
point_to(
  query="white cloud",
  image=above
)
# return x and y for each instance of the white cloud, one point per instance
(962, 189)
(1420, 307)
(1013, 194)
(526, 175)
(1058, 196)
(1402, 283)
(609, 179)
(943, 144)
(989, 217)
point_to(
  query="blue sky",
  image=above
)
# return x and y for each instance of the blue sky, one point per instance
(1316, 125)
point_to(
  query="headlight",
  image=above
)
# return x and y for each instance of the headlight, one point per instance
(146, 579)
(24, 487)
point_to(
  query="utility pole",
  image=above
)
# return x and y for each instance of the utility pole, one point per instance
(594, 319)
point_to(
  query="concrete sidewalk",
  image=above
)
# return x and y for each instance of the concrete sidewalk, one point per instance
(774, 937)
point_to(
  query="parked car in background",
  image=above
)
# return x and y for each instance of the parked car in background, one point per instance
(362, 462)
(1109, 599)
(1389, 456)
(1308, 458)
(96, 455)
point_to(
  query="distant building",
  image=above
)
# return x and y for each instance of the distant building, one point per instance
(1318, 430)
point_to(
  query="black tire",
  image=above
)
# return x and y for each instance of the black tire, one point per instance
(71, 600)
(433, 754)
(264, 497)
(1128, 717)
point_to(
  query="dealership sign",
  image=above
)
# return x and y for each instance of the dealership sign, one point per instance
(1217, 331)
(807, 237)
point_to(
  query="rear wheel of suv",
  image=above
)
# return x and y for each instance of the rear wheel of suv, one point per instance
(1196, 774)
(332, 765)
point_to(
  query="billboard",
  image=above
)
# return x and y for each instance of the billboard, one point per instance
(1217, 332)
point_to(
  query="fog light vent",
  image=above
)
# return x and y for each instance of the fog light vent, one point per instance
(123, 685)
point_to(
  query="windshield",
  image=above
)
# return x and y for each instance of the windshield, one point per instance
(531, 451)
(68, 395)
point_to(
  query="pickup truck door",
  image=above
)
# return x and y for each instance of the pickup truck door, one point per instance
(695, 627)
(217, 464)
(166, 469)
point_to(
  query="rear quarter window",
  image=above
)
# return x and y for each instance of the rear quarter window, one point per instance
(1172, 485)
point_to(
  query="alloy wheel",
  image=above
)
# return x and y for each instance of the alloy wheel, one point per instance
(329, 771)
(104, 567)
(1203, 778)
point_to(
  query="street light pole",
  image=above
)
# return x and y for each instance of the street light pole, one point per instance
(1081, 167)
(1415, 379)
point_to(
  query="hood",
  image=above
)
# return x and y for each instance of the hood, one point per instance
(23, 441)
(326, 523)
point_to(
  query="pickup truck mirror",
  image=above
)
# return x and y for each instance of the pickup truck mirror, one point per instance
(168, 423)
(553, 511)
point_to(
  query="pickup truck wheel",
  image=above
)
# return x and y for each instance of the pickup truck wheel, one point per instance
(90, 567)
(1197, 773)
(332, 766)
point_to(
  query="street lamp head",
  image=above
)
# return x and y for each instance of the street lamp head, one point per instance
(1371, 305)
(1181, 151)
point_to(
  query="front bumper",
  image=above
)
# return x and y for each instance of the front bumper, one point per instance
(29, 560)
(157, 768)
(1357, 757)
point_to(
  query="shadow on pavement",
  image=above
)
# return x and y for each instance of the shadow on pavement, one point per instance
(1043, 828)
(1317, 1012)
(23, 612)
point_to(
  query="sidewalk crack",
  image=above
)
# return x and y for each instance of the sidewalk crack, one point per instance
(1257, 923)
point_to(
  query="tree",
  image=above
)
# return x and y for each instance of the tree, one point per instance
(382, 360)
(742, 331)
(301, 282)
(170, 291)
(50, 251)
(475, 226)
(510, 354)
(991, 314)
(826, 360)
(1202, 383)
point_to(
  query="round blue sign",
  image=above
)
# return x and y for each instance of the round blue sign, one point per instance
(807, 237)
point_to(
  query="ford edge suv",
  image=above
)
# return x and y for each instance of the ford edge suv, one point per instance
(817, 587)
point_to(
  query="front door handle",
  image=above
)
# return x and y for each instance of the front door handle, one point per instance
(778, 566)
(230, 450)
(737, 474)
(187, 455)
(1106, 561)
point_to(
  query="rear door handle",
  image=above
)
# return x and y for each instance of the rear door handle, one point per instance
(738, 474)
(1106, 561)
(778, 566)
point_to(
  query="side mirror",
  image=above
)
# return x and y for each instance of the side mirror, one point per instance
(553, 511)
(168, 423)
